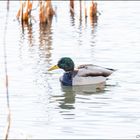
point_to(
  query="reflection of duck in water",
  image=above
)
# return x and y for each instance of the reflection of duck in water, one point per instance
(69, 98)
(84, 75)
(71, 94)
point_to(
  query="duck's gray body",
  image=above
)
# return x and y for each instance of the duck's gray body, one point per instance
(86, 75)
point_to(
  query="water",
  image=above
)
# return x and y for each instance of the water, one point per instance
(40, 107)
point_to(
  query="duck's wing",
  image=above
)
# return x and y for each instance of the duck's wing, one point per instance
(94, 70)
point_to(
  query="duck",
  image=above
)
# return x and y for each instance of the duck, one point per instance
(86, 74)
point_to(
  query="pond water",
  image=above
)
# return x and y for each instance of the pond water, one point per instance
(40, 106)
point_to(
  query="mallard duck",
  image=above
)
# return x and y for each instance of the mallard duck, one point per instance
(84, 75)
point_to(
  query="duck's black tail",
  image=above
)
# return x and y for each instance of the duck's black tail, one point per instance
(112, 69)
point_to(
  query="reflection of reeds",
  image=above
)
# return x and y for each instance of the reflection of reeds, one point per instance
(45, 37)
(46, 11)
(93, 9)
(7, 4)
(93, 13)
(72, 7)
(24, 12)
(80, 10)
(30, 34)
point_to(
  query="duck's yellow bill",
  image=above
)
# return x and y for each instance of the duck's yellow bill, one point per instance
(53, 68)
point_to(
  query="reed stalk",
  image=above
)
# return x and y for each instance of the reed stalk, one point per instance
(93, 9)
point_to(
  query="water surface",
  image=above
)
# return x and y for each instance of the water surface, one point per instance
(40, 106)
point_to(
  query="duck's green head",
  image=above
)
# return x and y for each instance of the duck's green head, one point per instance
(64, 63)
